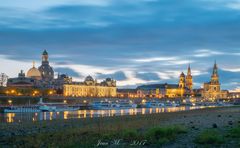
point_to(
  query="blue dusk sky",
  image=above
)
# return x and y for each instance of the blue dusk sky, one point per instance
(133, 41)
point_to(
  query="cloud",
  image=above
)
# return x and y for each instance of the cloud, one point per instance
(39, 5)
(148, 76)
(119, 76)
(154, 59)
(206, 53)
(233, 5)
(67, 71)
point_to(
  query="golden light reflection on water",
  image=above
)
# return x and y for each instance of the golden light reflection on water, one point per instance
(51, 116)
(150, 111)
(157, 110)
(10, 117)
(143, 111)
(84, 114)
(65, 115)
(122, 112)
(91, 113)
(130, 111)
(113, 112)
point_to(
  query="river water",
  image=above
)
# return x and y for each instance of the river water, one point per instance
(39, 116)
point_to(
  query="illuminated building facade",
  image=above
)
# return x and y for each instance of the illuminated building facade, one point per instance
(189, 80)
(91, 88)
(127, 93)
(181, 89)
(212, 90)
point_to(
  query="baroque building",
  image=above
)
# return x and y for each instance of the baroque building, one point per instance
(22, 81)
(45, 69)
(91, 88)
(212, 90)
(179, 90)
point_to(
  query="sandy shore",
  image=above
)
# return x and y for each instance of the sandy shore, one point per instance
(221, 118)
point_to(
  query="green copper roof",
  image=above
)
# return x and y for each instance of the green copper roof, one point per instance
(45, 52)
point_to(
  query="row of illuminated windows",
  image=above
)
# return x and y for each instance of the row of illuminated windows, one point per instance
(87, 89)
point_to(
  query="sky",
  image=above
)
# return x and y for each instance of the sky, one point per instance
(133, 41)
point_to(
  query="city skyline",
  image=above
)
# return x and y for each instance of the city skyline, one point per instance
(137, 42)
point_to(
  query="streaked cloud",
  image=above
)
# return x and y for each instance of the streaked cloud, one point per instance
(155, 59)
(206, 53)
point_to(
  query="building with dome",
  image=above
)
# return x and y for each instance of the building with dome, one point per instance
(22, 81)
(91, 88)
(45, 69)
(34, 73)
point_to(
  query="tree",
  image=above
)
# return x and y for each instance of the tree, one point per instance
(3, 79)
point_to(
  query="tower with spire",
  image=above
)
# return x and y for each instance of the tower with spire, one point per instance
(189, 79)
(212, 90)
(214, 77)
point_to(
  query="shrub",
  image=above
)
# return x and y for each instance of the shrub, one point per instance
(235, 132)
(162, 135)
(209, 137)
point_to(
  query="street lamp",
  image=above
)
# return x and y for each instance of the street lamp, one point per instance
(10, 102)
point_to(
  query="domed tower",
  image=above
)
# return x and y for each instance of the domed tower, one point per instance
(89, 80)
(189, 80)
(45, 69)
(181, 83)
(34, 73)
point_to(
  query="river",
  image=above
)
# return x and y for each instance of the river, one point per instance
(39, 116)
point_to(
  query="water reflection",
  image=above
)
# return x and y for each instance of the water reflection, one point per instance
(21, 117)
(10, 117)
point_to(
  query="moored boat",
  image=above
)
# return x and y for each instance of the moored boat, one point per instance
(153, 104)
(108, 105)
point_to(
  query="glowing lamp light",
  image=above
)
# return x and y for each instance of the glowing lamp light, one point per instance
(10, 101)
(65, 101)
(50, 92)
(84, 101)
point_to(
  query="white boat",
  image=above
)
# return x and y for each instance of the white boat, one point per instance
(22, 109)
(103, 105)
(66, 108)
(126, 105)
(46, 108)
(40, 107)
(154, 104)
(171, 104)
(108, 105)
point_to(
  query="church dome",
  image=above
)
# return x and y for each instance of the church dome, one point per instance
(34, 73)
(89, 78)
